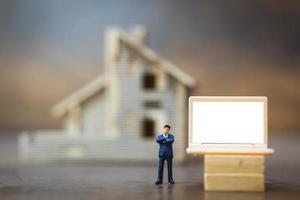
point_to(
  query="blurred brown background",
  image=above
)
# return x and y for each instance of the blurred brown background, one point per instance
(50, 48)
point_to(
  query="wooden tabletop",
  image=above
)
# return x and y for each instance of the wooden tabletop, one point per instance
(228, 151)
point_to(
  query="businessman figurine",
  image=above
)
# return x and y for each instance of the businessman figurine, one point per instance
(165, 141)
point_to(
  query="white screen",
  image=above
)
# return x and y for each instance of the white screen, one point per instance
(228, 122)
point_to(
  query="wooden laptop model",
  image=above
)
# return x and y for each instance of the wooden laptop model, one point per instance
(243, 147)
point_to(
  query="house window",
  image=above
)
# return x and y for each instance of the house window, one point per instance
(149, 80)
(152, 104)
(148, 128)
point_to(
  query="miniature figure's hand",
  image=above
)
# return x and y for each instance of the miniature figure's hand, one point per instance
(169, 140)
(160, 140)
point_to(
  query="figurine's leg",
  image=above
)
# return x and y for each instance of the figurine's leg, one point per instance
(170, 173)
(161, 169)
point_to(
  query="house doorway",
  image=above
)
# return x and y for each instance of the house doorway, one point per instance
(148, 128)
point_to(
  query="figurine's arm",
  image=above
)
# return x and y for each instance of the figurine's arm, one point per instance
(170, 140)
(160, 140)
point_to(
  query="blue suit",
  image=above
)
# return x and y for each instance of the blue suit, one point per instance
(165, 153)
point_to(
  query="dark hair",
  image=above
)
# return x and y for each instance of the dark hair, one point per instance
(167, 126)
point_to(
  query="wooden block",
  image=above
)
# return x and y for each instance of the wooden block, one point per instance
(234, 173)
(233, 164)
(234, 182)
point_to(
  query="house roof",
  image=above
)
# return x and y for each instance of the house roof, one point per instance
(152, 57)
(79, 96)
(99, 83)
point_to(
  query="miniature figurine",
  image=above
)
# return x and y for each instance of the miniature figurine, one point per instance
(165, 141)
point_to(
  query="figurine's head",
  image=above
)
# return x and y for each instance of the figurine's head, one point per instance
(166, 128)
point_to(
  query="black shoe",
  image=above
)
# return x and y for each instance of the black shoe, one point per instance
(171, 181)
(158, 182)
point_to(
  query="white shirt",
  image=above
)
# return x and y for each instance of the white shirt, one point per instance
(165, 135)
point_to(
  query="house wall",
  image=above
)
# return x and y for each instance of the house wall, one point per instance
(93, 116)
